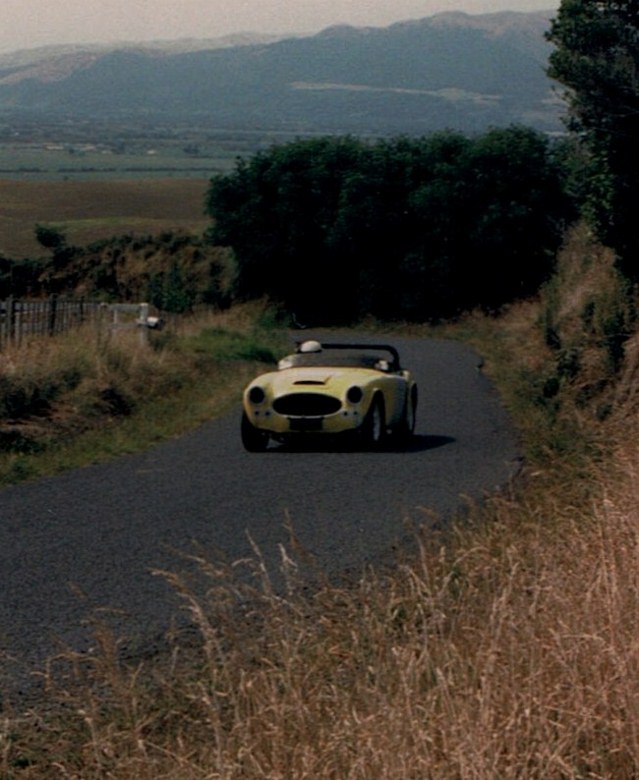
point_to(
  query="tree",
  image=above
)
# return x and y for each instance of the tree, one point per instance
(597, 59)
(400, 229)
(54, 239)
(170, 290)
(50, 237)
(518, 210)
(278, 211)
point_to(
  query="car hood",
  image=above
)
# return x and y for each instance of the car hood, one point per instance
(320, 379)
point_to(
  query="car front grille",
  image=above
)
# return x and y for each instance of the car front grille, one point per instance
(306, 405)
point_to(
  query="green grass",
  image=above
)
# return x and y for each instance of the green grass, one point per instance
(163, 419)
(33, 164)
(231, 346)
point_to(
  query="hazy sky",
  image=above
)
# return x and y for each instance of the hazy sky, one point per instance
(30, 23)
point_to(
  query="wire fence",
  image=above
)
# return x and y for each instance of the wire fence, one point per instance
(22, 320)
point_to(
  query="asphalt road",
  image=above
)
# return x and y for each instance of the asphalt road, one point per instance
(89, 539)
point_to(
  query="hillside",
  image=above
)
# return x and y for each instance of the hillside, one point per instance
(448, 70)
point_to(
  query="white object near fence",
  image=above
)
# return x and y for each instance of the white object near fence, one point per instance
(21, 320)
(143, 320)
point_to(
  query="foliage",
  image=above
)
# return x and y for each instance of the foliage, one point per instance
(50, 237)
(19, 276)
(169, 292)
(597, 59)
(588, 313)
(54, 239)
(173, 271)
(337, 228)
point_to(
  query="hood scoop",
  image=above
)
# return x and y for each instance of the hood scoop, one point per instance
(310, 382)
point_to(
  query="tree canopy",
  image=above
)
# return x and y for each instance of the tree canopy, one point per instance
(597, 59)
(337, 228)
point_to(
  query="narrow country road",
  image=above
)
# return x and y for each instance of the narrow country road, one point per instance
(90, 538)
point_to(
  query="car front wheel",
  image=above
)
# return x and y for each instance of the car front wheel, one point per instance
(374, 426)
(253, 439)
(407, 426)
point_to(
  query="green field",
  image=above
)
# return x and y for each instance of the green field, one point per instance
(90, 210)
(32, 163)
(63, 160)
(79, 152)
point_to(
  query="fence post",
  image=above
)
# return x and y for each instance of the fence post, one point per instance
(53, 305)
(11, 319)
(4, 323)
(143, 316)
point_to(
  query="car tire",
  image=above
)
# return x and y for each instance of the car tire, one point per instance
(407, 426)
(374, 425)
(253, 439)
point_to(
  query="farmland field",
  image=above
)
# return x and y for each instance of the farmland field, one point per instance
(90, 210)
(95, 180)
(33, 162)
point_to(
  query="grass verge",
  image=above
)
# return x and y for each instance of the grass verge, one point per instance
(91, 396)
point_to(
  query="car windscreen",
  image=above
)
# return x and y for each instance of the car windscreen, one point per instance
(337, 358)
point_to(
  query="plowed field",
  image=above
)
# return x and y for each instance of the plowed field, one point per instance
(90, 210)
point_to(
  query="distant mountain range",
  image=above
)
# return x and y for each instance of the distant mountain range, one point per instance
(451, 70)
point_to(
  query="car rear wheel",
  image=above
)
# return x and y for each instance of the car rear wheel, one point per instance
(374, 426)
(253, 439)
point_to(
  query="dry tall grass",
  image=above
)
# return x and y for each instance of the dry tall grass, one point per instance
(94, 393)
(508, 649)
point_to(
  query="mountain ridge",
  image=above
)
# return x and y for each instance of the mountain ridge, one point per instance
(448, 70)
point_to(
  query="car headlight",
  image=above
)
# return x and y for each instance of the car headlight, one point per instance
(256, 395)
(354, 394)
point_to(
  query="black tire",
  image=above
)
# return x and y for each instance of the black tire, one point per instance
(253, 439)
(407, 426)
(374, 425)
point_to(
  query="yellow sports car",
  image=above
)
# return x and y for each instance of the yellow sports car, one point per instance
(331, 389)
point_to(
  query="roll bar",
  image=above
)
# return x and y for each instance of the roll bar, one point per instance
(386, 347)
